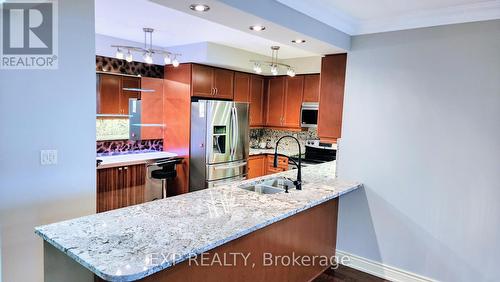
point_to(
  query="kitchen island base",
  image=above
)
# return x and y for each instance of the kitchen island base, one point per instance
(297, 248)
(310, 234)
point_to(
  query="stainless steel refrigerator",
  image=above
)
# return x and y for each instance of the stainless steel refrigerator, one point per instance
(219, 143)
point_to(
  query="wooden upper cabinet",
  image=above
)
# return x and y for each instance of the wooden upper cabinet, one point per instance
(241, 87)
(331, 96)
(311, 88)
(152, 108)
(294, 90)
(256, 101)
(111, 98)
(202, 81)
(275, 100)
(223, 83)
(209, 82)
(108, 94)
(129, 83)
(250, 88)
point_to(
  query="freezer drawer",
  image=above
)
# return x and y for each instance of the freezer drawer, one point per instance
(226, 170)
(226, 181)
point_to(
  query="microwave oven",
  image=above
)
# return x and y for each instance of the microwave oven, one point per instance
(309, 115)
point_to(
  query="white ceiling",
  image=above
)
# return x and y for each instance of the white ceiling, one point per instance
(369, 16)
(125, 20)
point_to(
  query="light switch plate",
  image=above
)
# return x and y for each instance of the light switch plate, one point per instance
(48, 157)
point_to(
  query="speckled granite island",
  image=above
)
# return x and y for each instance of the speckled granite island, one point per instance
(161, 240)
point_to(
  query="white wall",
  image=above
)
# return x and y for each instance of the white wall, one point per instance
(47, 109)
(422, 131)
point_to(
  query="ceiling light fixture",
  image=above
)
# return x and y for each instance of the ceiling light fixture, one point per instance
(129, 57)
(119, 54)
(299, 41)
(273, 64)
(199, 7)
(147, 51)
(175, 62)
(257, 27)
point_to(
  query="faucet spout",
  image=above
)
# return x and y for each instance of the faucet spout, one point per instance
(298, 182)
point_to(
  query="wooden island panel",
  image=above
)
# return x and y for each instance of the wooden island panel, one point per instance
(312, 232)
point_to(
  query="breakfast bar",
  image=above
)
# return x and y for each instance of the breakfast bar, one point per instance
(216, 234)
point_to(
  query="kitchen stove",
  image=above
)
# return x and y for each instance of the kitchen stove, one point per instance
(317, 152)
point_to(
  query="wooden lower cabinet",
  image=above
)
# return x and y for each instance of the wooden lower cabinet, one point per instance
(282, 164)
(119, 187)
(256, 166)
(260, 165)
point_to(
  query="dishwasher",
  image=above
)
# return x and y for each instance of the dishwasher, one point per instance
(153, 190)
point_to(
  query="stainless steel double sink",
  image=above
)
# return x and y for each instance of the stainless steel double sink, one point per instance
(268, 186)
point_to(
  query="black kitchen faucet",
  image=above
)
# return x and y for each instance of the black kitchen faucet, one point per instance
(298, 182)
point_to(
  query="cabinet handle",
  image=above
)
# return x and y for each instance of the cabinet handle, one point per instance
(216, 91)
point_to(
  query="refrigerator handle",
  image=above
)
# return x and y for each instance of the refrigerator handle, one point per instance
(233, 133)
(237, 131)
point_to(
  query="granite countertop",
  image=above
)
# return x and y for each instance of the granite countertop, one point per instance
(132, 159)
(119, 245)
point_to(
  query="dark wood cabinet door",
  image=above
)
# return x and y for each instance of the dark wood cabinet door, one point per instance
(331, 97)
(241, 87)
(152, 108)
(293, 101)
(120, 187)
(311, 88)
(128, 82)
(202, 81)
(256, 166)
(108, 94)
(256, 101)
(275, 99)
(223, 83)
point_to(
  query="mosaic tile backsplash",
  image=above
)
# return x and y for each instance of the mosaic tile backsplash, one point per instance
(112, 129)
(270, 136)
(118, 147)
(114, 65)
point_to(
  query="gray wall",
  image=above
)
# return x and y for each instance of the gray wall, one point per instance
(47, 109)
(422, 132)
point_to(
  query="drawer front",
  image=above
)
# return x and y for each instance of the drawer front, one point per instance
(282, 161)
(271, 170)
(226, 170)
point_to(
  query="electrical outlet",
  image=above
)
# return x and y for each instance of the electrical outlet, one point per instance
(48, 157)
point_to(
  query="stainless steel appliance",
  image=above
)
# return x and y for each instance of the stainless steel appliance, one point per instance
(317, 151)
(219, 143)
(309, 115)
(153, 187)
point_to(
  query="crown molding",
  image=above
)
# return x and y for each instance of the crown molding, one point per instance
(489, 10)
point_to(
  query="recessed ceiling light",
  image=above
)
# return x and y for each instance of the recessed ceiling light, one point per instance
(199, 7)
(299, 41)
(257, 27)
